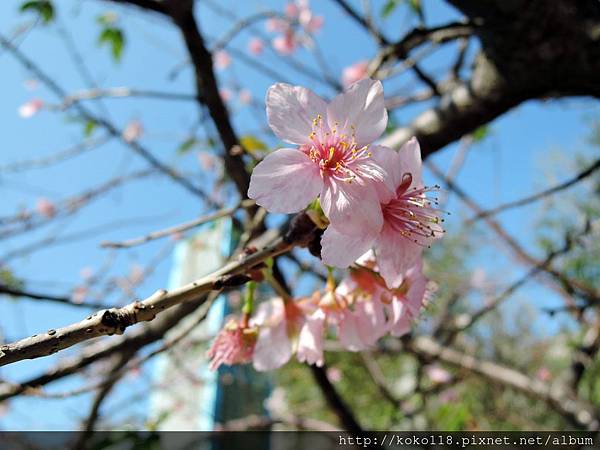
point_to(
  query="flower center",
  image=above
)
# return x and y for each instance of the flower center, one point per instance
(412, 213)
(334, 153)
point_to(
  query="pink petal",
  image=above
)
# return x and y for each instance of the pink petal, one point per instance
(400, 321)
(410, 162)
(341, 250)
(362, 107)
(417, 288)
(348, 333)
(291, 111)
(395, 255)
(352, 208)
(310, 341)
(286, 181)
(370, 320)
(273, 348)
(391, 161)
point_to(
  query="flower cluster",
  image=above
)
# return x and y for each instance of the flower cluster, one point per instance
(380, 217)
(288, 38)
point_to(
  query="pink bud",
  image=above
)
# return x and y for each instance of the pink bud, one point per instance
(256, 46)
(29, 109)
(291, 10)
(222, 60)
(354, 73)
(45, 208)
(133, 131)
(225, 94)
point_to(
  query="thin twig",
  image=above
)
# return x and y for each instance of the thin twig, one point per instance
(178, 228)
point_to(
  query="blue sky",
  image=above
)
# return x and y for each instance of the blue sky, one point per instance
(506, 166)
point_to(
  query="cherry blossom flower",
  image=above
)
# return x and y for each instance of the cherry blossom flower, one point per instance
(410, 220)
(309, 22)
(256, 46)
(285, 44)
(30, 108)
(234, 344)
(45, 208)
(334, 158)
(286, 328)
(355, 72)
(133, 131)
(222, 60)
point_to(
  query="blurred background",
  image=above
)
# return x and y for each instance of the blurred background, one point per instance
(106, 137)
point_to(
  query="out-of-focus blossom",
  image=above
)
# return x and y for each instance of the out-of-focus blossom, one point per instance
(543, 374)
(79, 294)
(309, 21)
(479, 278)
(222, 60)
(136, 274)
(245, 96)
(4, 408)
(334, 374)
(207, 161)
(256, 46)
(292, 10)
(448, 396)
(45, 208)
(438, 374)
(333, 160)
(225, 94)
(30, 108)
(410, 220)
(285, 44)
(356, 72)
(86, 272)
(275, 25)
(133, 131)
(234, 344)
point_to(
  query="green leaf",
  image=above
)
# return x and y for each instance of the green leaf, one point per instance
(89, 128)
(416, 6)
(252, 144)
(43, 8)
(187, 145)
(480, 133)
(8, 279)
(389, 8)
(115, 38)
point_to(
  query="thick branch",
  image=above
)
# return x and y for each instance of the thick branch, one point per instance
(116, 320)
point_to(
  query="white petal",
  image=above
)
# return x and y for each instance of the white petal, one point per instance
(286, 181)
(361, 109)
(291, 111)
